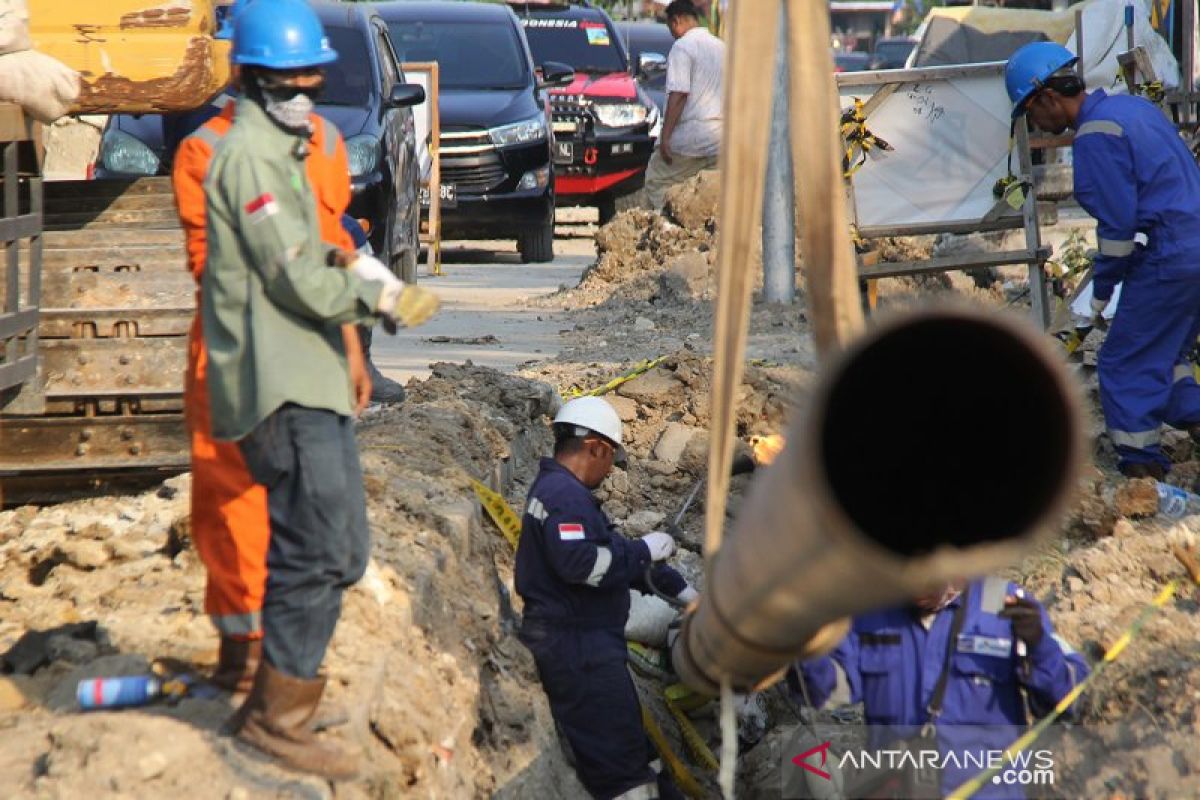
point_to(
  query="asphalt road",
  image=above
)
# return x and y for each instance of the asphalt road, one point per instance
(483, 290)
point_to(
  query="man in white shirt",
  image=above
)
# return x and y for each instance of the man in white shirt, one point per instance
(691, 134)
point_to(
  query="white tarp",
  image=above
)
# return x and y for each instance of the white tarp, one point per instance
(951, 146)
(1104, 37)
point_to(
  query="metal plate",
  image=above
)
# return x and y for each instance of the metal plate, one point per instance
(30, 445)
(113, 367)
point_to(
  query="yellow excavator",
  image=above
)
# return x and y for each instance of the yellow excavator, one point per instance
(95, 302)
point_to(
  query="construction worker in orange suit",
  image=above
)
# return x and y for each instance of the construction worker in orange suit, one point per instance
(229, 510)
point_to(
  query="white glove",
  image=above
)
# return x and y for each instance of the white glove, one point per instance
(661, 545)
(1099, 305)
(687, 595)
(370, 268)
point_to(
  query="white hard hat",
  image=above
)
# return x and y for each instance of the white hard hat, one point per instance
(594, 414)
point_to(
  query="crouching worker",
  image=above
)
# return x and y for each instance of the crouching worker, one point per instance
(954, 672)
(574, 571)
(278, 378)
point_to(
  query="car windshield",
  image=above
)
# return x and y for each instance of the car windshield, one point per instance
(348, 80)
(470, 55)
(585, 45)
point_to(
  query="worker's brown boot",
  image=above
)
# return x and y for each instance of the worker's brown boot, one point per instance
(237, 662)
(277, 718)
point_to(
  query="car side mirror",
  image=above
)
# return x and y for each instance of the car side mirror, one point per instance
(406, 94)
(650, 64)
(555, 74)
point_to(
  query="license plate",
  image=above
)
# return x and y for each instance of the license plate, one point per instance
(448, 196)
(564, 152)
(565, 126)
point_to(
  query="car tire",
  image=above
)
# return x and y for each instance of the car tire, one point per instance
(607, 206)
(537, 245)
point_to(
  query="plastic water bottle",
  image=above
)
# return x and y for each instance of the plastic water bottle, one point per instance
(1176, 503)
(135, 690)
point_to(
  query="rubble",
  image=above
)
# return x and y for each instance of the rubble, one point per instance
(443, 699)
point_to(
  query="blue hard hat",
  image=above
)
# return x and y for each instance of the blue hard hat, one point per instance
(280, 34)
(1028, 69)
(226, 14)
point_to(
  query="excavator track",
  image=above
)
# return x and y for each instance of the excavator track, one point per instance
(116, 305)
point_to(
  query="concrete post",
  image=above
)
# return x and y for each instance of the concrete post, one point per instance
(779, 196)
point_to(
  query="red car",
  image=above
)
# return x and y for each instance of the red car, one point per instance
(603, 120)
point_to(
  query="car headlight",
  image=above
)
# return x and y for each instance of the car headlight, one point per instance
(620, 115)
(362, 152)
(127, 155)
(523, 132)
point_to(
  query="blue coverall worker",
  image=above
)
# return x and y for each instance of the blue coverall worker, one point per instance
(892, 661)
(1135, 175)
(574, 571)
(273, 299)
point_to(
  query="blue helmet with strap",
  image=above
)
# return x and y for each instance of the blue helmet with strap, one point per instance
(1029, 68)
(226, 14)
(280, 34)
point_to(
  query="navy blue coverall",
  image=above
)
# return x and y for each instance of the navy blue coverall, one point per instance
(1136, 176)
(574, 570)
(892, 664)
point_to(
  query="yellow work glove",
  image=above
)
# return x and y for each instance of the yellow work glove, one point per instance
(414, 306)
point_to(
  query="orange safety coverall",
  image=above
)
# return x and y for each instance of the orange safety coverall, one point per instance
(230, 523)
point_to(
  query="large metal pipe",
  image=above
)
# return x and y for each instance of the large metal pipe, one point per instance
(937, 447)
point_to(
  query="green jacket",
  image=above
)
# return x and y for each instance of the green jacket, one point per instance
(272, 309)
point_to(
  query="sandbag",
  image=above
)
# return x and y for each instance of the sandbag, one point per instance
(45, 87)
(14, 26)
(649, 618)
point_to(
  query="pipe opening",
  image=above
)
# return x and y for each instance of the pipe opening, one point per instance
(949, 430)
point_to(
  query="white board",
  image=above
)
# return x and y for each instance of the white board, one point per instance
(423, 117)
(950, 136)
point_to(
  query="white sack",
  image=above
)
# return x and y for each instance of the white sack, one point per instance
(649, 618)
(14, 26)
(45, 87)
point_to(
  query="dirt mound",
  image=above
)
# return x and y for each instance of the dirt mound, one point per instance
(693, 204)
(443, 699)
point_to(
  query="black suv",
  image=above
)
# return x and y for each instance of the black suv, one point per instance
(495, 121)
(365, 96)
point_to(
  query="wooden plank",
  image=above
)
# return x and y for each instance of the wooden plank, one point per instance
(16, 125)
(951, 263)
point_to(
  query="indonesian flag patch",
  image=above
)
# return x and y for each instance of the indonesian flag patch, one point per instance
(262, 207)
(570, 532)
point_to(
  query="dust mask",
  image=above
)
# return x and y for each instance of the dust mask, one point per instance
(292, 111)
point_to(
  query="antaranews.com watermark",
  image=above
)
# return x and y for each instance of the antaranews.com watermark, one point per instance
(880, 761)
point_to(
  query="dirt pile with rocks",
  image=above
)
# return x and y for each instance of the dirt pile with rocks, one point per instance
(443, 700)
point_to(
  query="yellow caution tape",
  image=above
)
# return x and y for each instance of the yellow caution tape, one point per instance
(1033, 734)
(858, 139)
(500, 512)
(642, 368)
(684, 779)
